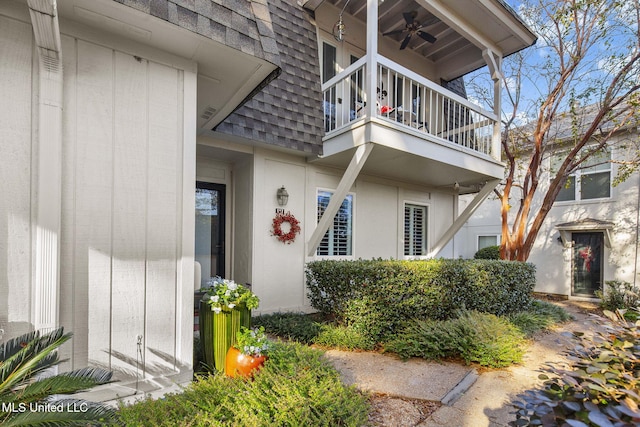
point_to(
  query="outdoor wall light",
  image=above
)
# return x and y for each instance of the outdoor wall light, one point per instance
(339, 29)
(282, 196)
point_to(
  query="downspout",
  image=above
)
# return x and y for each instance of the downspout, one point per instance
(48, 188)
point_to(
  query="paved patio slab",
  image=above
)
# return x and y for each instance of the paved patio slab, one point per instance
(414, 378)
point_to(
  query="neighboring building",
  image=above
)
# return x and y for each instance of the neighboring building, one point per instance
(120, 120)
(589, 237)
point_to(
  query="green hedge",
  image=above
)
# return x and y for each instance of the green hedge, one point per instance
(377, 297)
(490, 252)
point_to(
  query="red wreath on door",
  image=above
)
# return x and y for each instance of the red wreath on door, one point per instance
(294, 227)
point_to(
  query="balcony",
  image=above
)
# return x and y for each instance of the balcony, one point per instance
(409, 103)
(381, 87)
(422, 132)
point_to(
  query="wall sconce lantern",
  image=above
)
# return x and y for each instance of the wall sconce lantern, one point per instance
(282, 196)
(339, 29)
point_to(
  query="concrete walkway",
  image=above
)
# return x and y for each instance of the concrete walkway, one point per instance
(468, 399)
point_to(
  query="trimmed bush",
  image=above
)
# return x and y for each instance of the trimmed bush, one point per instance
(490, 252)
(476, 337)
(378, 297)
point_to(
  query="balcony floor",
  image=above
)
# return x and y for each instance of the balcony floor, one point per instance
(412, 157)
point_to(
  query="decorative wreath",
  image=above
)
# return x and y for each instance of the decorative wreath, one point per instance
(294, 227)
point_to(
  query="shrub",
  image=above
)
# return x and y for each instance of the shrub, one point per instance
(298, 327)
(599, 386)
(344, 337)
(476, 337)
(619, 295)
(539, 316)
(378, 297)
(296, 386)
(489, 252)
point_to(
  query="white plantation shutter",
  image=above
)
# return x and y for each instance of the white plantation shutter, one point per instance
(337, 240)
(415, 230)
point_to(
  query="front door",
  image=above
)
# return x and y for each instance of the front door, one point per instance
(210, 229)
(587, 263)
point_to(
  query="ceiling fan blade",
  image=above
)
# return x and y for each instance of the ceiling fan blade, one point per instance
(410, 16)
(406, 41)
(394, 32)
(426, 36)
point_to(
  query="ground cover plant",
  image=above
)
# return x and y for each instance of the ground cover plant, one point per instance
(475, 337)
(541, 315)
(295, 387)
(599, 386)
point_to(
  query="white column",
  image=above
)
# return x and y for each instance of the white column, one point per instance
(372, 57)
(48, 142)
(495, 68)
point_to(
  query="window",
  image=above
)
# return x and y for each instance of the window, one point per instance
(415, 230)
(591, 181)
(486, 241)
(337, 241)
(329, 61)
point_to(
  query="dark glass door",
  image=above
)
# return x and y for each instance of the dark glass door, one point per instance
(210, 227)
(587, 263)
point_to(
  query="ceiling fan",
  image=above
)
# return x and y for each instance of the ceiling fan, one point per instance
(413, 27)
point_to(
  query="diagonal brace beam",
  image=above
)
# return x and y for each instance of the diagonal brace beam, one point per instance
(349, 177)
(464, 216)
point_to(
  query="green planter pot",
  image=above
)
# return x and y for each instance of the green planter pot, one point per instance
(218, 332)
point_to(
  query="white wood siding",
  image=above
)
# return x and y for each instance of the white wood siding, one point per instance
(15, 176)
(122, 208)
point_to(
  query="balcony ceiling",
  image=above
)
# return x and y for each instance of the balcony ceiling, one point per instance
(463, 29)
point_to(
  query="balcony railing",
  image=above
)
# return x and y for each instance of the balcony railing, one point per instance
(409, 101)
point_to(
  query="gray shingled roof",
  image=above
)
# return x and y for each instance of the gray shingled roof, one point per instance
(244, 25)
(288, 111)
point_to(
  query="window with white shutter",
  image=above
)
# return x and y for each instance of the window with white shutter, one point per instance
(415, 230)
(337, 241)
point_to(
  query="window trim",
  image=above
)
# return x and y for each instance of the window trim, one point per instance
(427, 235)
(353, 224)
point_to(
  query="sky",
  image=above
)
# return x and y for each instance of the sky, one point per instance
(595, 69)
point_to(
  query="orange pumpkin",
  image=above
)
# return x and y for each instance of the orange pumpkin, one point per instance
(239, 364)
